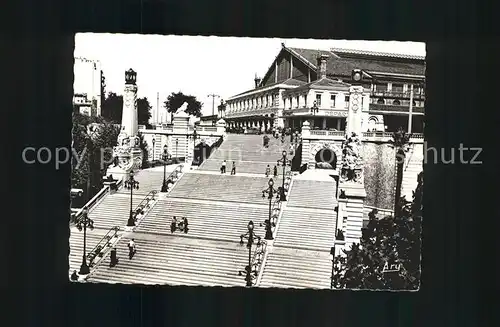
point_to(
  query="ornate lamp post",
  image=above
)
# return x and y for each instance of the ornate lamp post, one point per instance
(251, 237)
(153, 148)
(194, 141)
(82, 223)
(176, 146)
(164, 157)
(314, 109)
(270, 191)
(283, 162)
(131, 184)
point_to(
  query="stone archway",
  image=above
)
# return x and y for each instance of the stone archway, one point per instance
(201, 152)
(328, 152)
(326, 159)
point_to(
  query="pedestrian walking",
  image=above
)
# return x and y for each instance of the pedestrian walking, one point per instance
(223, 167)
(173, 224)
(268, 171)
(131, 249)
(233, 169)
(113, 258)
(275, 171)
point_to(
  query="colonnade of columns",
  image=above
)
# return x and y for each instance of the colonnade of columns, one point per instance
(261, 124)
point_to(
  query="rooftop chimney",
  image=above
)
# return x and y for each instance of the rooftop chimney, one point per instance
(257, 81)
(321, 65)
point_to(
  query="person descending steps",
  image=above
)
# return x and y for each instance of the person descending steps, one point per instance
(131, 249)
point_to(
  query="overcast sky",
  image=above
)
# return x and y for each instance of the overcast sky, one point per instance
(200, 65)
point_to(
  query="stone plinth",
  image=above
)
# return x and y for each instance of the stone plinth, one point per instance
(351, 206)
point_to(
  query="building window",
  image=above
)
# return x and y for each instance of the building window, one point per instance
(397, 88)
(298, 100)
(346, 100)
(396, 102)
(332, 101)
(414, 103)
(305, 101)
(380, 101)
(318, 99)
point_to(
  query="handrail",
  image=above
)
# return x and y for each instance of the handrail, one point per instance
(89, 205)
(97, 250)
(144, 204)
(258, 257)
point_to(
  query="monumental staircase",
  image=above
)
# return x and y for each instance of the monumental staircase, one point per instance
(300, 256)
(413, 166)
(109, 210)
(248, 153)
(218, 208)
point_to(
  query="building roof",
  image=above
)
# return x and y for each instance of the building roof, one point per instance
(290, 81)
(324, 83)
(343, 62)
(345, 53)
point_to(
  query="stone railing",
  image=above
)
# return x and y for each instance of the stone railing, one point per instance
(327, 133)
(389, 135)
(390, 107)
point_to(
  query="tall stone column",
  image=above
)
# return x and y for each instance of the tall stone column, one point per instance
(354, 114)
(128, 150)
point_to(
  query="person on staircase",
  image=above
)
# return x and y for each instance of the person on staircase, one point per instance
(268, 171)
(173, 224)
(113, 258)
(275, 171)
(183, 225)
(131, 249)
(233, 169)
(74, 276)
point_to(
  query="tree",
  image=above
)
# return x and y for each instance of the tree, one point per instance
(390, 240)
(112, 107)
(89, 178)
(143, 111)
(176, 100)
(400, 141)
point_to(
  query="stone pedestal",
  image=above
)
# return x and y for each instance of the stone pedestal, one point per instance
(351, 206)
(354, 114)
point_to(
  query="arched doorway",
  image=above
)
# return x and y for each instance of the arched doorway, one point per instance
(326, 159)
(201, 153)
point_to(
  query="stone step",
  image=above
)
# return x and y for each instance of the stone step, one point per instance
(223, 222)
(296, 269)
(176, 261)
(247, 167)
(313, 194)
(314, 230)
(221, 187)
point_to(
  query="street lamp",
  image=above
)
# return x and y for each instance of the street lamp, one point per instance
(165, 157)
(332, 252)
(131, 184)
(82, 223)
(296, 140)
(251, 237)
(315, 109)
(194, 142)
(270, 191)
(283, 162)
(176, 146)
(153, 148)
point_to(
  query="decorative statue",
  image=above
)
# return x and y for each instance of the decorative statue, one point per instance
(352, 161)
(182, 108)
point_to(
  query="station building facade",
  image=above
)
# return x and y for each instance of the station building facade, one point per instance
(313, 85)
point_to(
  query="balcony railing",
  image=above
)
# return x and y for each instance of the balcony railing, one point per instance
(397, 94)
(390, 134)
(327, 133)
(395, 108)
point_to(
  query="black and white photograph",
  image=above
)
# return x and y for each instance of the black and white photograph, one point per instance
(247, 162)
